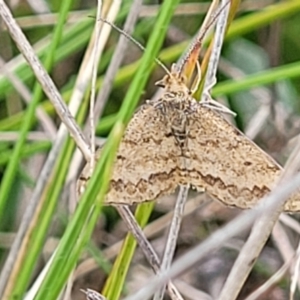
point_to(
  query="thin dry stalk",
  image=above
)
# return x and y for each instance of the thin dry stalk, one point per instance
(282, 242)
(263, 95)
(290, 222)
(51, 18)
(190, 9)
(284, 246)
(66, 294)
(202, 33)
(218, 238)
(211, 78)
(12, 136)
(85, 73)
(35, 286)
(269, 283)
(173, 236)
(211, 75)
(39, 6)
(295, 277)
(117, 58)
(278, 276)
(190, 292)
(96, 59)
(93, 295)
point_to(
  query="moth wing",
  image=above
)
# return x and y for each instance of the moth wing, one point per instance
(146, 165)
(228, 165)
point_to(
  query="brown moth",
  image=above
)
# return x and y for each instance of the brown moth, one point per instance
(177, 141)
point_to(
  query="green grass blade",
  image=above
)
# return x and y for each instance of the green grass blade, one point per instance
(77, 234)
(27, 151)
(8, 178)
(115, 282)
(262, 18)
(43, 219)
(262, 78)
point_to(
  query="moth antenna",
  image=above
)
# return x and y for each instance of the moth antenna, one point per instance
(138, 44)
(202, 34)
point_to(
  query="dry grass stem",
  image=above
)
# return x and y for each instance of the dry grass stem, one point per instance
(190, 292)
(283, 243)
(39, 6)
(263, 95)
(172, 236)
(47, 19)
(183, 9)
(30, 295)
(96, 59)
(269, 283)
(190, 9)
(84, 78)
(66, 293)
(295, 274)
(93, 295)
(117, 58)
(290, 222)
(211, 78)
(31, 136)
(85, 72)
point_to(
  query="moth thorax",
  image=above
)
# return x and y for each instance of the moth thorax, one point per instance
(178, 87)
(174, 83)
(179, 129)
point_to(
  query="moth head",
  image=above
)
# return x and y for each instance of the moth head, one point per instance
(174, 82)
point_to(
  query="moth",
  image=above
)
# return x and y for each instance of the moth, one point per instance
(176, 140)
